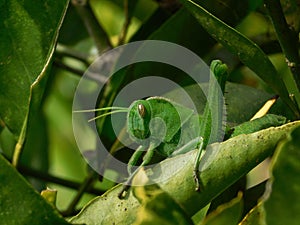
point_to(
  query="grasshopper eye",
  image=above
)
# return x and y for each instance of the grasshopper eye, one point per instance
(141, 110)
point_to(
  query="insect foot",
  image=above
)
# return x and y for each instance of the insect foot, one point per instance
(123, 193)
(197, 180)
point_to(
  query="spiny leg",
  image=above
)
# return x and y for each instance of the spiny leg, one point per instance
(146, 159)
(195, 143)
(196, 172)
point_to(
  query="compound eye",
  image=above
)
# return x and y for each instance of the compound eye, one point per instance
(141, 110)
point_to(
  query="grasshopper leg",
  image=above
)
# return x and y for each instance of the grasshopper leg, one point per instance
(196, 173)
(195, 143)
(146, 159)
(132, 162)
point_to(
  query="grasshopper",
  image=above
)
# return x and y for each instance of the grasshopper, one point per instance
(160, 125)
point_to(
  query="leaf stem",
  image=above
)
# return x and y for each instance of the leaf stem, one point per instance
(95, 30)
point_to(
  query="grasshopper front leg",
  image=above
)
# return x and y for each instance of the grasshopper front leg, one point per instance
(132, 162)
(135, 158)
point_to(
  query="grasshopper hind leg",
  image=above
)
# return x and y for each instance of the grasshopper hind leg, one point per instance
(196, 143)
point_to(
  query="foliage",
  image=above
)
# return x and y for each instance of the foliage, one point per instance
(46, 47)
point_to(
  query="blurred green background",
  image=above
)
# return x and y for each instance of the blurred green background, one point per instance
(56, 138)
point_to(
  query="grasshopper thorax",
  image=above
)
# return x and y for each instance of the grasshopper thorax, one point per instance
(138, 120)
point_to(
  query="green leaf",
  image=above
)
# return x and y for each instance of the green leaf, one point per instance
(158, 207)
(280, 204)
(20, 204)
(228, 213)
(252, 196)
(73, 29)
(283, 204)
(229, 11)
(35, 151)
(222, 165)
(157, 18)
(229, 194)
(248, 52)
(200, 215)
(108, 209)
(243, 102)
(7, 143)
(158, 27)
(187, 24)
(29, 31)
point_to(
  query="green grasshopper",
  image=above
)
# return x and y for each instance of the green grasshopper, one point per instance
(160, 125)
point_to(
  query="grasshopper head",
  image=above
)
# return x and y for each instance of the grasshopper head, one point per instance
(138, 119)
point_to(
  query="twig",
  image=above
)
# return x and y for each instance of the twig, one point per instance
(53, 179)
(126, 24)
(288, 39)
(62, 50)
(62, 65)
(88, 74)
(90, 21)
(2, 124)
(89, 180)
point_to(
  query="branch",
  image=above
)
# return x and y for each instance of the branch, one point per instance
(126, 24)
(288, 39)
(88, 182)
(95, 30)
(52, 179)
(88, 74)
(66, 67)
(63, 50)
